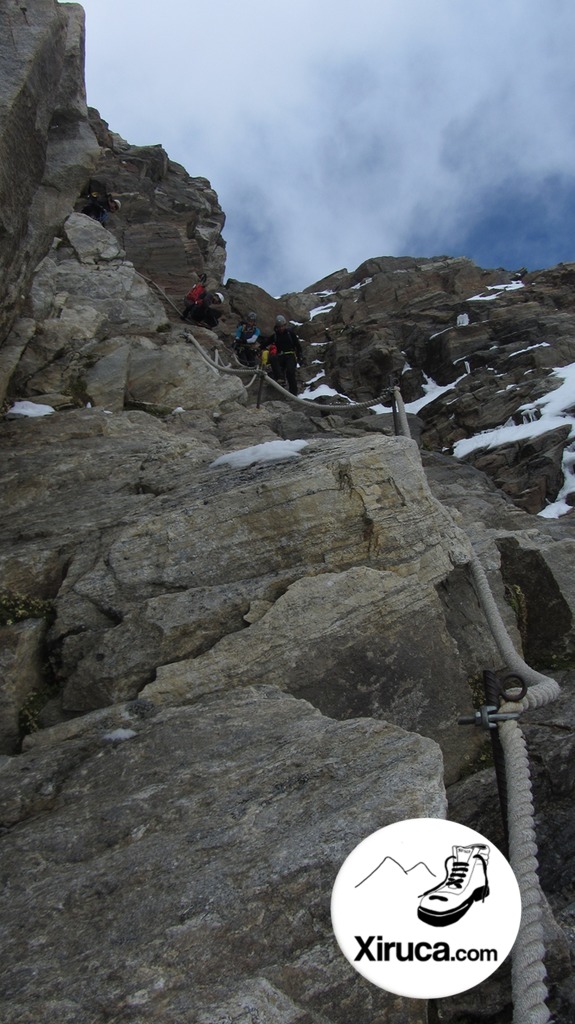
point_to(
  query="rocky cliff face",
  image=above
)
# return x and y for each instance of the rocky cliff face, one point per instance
(495, 340)
(47, 148)
(219, 675)
(169, 223)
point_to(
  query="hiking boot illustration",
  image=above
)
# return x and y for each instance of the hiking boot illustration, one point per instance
(465, 883)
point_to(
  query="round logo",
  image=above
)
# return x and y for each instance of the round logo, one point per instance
(426, 908)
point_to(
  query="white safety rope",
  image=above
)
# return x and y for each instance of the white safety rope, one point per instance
(541, 689)
(305, 402)
(259, 373)
(528, 970)
(529, 991)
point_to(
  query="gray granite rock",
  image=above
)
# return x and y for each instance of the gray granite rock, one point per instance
(181, 866)
(46, 144)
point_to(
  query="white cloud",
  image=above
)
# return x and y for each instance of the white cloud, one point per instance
(335, 133)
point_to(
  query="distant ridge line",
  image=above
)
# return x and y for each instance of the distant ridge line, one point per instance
(420, 863)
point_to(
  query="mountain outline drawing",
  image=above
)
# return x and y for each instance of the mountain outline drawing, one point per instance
(406, 871)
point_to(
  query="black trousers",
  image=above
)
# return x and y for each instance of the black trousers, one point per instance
(284, 365)
(289, 362)
(247, 354)
(197, 314)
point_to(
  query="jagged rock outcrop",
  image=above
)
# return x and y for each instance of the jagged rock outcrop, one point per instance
(384, 312)
(169, 562)
(527, 559)
(244, 297)
(207, 870)
(493, 337)
(170, 224)
(98, 335)
(47, 148)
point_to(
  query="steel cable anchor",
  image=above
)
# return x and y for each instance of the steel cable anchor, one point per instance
(488, 716)
(496, 691)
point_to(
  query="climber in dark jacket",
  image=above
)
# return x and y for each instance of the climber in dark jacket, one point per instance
(203, 312)
(100, 202)
(288, 355)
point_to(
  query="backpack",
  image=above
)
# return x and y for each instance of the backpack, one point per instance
(196, 293)
(249, 334)
(96, 189)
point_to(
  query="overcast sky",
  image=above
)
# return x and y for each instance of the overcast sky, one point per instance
(334, 132)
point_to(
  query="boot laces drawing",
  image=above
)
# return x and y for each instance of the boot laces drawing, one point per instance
(465, 883)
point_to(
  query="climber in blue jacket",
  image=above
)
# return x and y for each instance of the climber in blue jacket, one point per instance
(246, 341)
